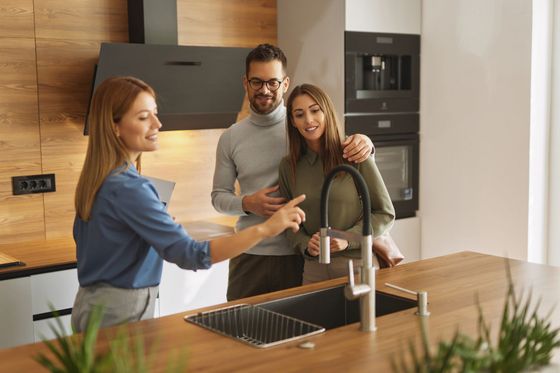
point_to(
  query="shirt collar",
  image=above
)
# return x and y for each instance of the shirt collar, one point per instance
(126, 167)
(310, 156)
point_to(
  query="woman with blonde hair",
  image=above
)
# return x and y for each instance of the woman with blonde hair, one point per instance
(122, 229)
(314, 150)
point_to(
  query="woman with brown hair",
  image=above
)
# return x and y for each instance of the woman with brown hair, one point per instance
(122, 229)
(314, 150)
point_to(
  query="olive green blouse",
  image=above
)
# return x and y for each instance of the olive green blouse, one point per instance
(345, 210)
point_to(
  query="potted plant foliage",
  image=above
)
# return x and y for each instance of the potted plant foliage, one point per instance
(525, 343)
(78, 353)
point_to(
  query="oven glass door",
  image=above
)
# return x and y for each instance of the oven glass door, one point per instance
(394, 165)
(397, 160)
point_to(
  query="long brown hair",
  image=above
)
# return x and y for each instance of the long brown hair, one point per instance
(331, 143)
(106, 151)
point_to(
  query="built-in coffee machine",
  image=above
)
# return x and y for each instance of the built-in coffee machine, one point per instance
(382, 85)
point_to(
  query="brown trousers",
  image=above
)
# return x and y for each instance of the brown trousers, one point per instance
(258, 274)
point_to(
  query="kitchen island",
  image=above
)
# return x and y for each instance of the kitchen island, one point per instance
(451, 282)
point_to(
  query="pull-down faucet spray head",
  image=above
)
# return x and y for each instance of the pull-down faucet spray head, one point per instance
(324, 244)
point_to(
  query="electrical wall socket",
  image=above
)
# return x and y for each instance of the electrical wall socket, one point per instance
(33, 184)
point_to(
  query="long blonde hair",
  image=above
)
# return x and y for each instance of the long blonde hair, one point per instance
(331, 143)
(106, 151)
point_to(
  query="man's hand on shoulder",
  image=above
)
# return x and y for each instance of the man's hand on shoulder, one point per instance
(261, 204)
(357, 148)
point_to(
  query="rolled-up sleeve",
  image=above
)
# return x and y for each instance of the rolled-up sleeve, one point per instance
(140, 208)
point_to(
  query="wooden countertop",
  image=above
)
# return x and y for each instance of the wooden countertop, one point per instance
(42, 256)
(451, 281)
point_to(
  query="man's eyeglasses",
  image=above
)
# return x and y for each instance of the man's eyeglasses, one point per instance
(272, 84)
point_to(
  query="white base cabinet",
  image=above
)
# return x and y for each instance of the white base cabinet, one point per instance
(24, 298)
(406, 233)
(16, 318)
(181, 290)
(42, 329)
(54, 290)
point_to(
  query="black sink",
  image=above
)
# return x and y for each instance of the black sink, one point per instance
(330, 308)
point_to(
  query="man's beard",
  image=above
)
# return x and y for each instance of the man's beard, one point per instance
(267, 108)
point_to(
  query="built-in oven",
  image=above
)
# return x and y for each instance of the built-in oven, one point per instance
(396, 143)
(382, 72)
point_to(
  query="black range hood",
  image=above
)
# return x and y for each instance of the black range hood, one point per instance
(152, 21)
(196, 87)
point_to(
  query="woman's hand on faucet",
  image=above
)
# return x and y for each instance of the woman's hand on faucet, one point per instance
(337, 244)
(313, 245)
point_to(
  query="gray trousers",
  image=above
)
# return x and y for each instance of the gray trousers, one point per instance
(119, 305)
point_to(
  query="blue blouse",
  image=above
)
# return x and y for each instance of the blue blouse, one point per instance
(128, 235)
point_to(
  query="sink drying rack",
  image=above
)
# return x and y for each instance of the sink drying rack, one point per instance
(254, 325)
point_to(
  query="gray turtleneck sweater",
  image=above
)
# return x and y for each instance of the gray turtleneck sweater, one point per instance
(250, 151)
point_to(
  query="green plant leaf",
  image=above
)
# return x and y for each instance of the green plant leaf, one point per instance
(525, 341)
(77, 353)
(90, 337)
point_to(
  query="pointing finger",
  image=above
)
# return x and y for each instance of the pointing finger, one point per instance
(296, 201)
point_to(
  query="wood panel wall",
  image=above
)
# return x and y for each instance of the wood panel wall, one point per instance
(226, 23)
(20, 143)
(48, 49)
(68, 36)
